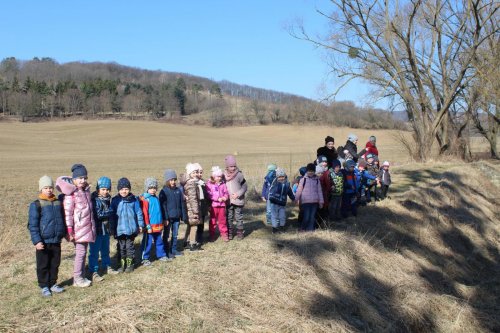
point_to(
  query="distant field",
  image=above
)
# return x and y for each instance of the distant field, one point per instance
(427, 260)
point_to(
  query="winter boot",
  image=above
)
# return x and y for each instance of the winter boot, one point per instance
(275, 231)
(121, 269)
(239, 234)
(130, 266)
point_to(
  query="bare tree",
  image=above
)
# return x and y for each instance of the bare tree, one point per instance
(417, 52)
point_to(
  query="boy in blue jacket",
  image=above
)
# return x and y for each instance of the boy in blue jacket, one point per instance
(47, 229)
(268, 180)
(366, 180)
(126, 222)
(278, 192)
(351, 189)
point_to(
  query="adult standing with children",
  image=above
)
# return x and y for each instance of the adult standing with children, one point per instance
(328, 150)
(350, 150)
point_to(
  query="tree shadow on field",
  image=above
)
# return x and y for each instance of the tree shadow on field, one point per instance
(454, 258)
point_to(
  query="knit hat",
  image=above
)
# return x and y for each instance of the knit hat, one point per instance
(350, 164)
(302, 171)
(45, 181)
(329, 139)
(103, 182)
(362, 163)
(79, 170)
(335, 163)
(230, 160)
(169, 174)
(321, 159)
(217, 171)
(372, 139)
(150, 182)
(370, 156)
(319, 169)
(190, 167)
(353, 138)
(311, 167)
(386, 163)
(280, 172)
(198, 166)
(271, 167)
(123, 183)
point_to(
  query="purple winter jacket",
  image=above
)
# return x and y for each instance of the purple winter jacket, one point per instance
(216, 191)
(311, 192)
(77, 210)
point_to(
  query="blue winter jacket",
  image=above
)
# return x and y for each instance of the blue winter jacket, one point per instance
(101, 207)
(279, 191)
(172, 203)
(268, 180)
(46, 222)
(366, 177)
(154, 209)
(352, 182)
(127, 215)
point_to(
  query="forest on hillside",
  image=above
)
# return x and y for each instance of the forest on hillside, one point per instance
(43, 88)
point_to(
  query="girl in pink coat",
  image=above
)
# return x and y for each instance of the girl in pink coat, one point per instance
(78, 217)
(217, 191)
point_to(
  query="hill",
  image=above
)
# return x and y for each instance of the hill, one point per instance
(43, 88)
(425, 260)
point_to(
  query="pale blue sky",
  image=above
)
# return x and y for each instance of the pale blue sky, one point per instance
(240, 41)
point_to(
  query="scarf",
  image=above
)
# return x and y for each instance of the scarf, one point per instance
(42, 196)
(230, 175)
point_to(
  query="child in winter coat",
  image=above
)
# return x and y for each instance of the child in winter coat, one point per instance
(127, 221)
(172, 203)
(280, 189)
(335, 185)
(218, 194)
(372, 168)
(310, 197)
(79, 218)
(385, 179)
(153, 219)
(204, 203)
(237, 187)
(366, 181)
(371, 146)
(268, 180)
(101, 203)
(351, 189)
(47, 228)
(193, 195)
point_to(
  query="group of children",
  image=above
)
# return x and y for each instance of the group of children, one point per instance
(90, 219)
(328, 189)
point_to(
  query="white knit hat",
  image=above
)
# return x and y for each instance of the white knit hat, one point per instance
(190, 167)
(45, 181)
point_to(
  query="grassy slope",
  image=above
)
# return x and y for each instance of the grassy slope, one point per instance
(425, 260)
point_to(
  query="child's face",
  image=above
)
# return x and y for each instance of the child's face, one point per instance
(152, 190)
(80, 182)
(231, 168)
(310, 173)
(194, 174)
(217, 179)
(281, 179)
(337, 168)
(200, 174)
(103, 192)
(171, 182)
(324, 164)
(124, 192)
(386, 167)
(48, 191)
(319, 174)
(361, 168)
(370, 160)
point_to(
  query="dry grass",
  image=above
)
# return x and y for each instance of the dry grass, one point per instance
(427, 260)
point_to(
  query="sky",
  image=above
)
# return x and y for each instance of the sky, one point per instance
(243, 41)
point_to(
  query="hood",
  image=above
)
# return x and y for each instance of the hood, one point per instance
(64, 184)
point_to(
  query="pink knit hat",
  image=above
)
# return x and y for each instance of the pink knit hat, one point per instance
(386, 163)
(217, 172)
(230, 160)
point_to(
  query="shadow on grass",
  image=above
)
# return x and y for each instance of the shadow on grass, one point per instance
(371, 304)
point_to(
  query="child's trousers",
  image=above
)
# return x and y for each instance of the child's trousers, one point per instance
(218, 218)
(147, 244)
(334, 207)
(80, 255)
(173, 226)
(126, 246)
(278, 215)
(101, 245)
(47, 264)
(235, 214)
(309, 216)
(349, 203)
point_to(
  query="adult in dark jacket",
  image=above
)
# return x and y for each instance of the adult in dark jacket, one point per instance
(350, 150)
(328, 150)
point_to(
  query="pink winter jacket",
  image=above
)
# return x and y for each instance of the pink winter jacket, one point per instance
(216, 191)
(311, 192)
(77, 211)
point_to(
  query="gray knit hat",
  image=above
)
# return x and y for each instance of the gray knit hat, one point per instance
(280, 172)
(45, 181)
(352, 137)
(150, 182)
(169, 174)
